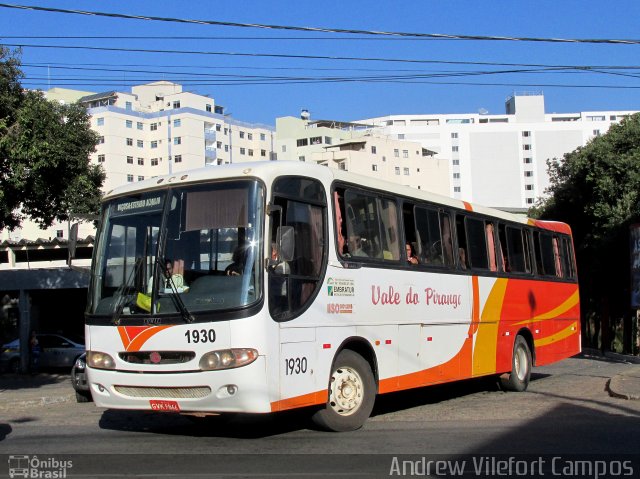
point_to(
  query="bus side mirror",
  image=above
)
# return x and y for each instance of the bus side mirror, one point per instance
(285, 237)
(73, 241)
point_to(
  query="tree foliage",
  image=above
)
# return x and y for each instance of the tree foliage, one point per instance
(596, 190)
(45, 172)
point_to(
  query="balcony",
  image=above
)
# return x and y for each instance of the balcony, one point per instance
(210, 155)
(210, 135)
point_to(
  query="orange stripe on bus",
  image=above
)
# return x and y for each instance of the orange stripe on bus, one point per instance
(311, 399)
(467, 206)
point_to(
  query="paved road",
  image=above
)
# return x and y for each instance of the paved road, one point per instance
(566, 410)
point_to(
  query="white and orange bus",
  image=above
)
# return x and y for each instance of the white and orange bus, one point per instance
(270, 286)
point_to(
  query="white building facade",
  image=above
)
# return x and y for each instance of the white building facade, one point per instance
(157, 129)
(500, 160)
(361, 149)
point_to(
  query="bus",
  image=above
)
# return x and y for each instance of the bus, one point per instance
(263, 287)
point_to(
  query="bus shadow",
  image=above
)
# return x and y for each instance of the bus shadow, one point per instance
(399, 401)
(237, 426)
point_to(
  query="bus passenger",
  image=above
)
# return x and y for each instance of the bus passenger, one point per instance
(412, 258)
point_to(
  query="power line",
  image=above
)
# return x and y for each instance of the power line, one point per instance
(298, 57)
(439, 36)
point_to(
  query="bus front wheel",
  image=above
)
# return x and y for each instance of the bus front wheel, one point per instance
(518, 378)
(352, 391)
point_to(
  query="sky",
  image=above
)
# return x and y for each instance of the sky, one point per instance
(260, 74)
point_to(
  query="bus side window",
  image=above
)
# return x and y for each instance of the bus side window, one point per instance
(476, 243)
(567, 256)
(491, 245)
(462, 242)
(514, 241)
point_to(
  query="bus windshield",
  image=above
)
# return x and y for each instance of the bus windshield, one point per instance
(179, 251)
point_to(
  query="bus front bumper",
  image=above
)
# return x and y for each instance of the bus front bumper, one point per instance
(243, 389)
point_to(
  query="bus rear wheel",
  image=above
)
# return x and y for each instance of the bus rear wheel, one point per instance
(518, 378)
(352, 391)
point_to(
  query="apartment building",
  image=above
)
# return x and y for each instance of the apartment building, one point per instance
(156, 129)
(500, 160)
(359, 148)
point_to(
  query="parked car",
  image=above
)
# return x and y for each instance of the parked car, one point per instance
(79, 379)
(56, 351)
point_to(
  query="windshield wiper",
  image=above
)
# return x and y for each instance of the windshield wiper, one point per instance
(175, 296)
(122, 298)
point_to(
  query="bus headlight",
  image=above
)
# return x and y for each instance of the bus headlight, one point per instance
(98, 360)
(227, 359)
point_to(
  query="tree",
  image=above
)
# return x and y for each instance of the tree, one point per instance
(596, 189)
(45, 171)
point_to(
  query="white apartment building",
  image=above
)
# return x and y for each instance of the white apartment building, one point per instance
(361, 149)
(500, 160)
(156, 129)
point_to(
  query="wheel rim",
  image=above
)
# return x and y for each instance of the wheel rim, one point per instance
(346, 391)
(521, 364)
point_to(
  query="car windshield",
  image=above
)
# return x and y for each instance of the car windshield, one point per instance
(179, 251)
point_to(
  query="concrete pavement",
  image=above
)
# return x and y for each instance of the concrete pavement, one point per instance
(22, 392)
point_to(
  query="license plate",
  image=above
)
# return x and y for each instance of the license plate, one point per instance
(168, 406)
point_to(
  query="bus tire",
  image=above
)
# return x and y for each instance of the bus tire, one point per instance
(518, 379)
(352, 393)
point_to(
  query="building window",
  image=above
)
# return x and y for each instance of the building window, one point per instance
(140, 178)
(154, 144)
(129, 178)
(284, 148)
(406, 172)
(241, 133)
(242, 151)
(128, 106)
(316, 140)
(140, 144)
(456, 189)
(226, 130)
(176, 104)
(249, 136)
(100, 158)
(397, 170)
(302, 142)
(129, 141)
(401, 136)
(374, 167)
(456, 176)
(218, 127)
(528, 187)
(327, 140)
(373, 151)
(177, 159)
(59, 233)
(141, 161)
(526, 147)
(529, 201)
(454, 148)
(154, 162)
(139, 125)
(263, 152)
(100, 140)
(405, 153)
(263, 137)
(177, 140)
(177, 123)
(396, 153)
(527, 160)
(154, 126)
(526, 134)
(454, 135)
(596, 132)
(129, 124)
(528, 174)
(100, 121)
(207, 107)
(301, 158)
(456, 162)
(219, 145)
(130, 160)
(226, 148)
(342, 166)
(250, 152)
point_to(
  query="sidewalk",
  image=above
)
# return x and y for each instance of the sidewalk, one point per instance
(40, 390)
(625, 385)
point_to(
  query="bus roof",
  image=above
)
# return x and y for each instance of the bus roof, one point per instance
(270, 170)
